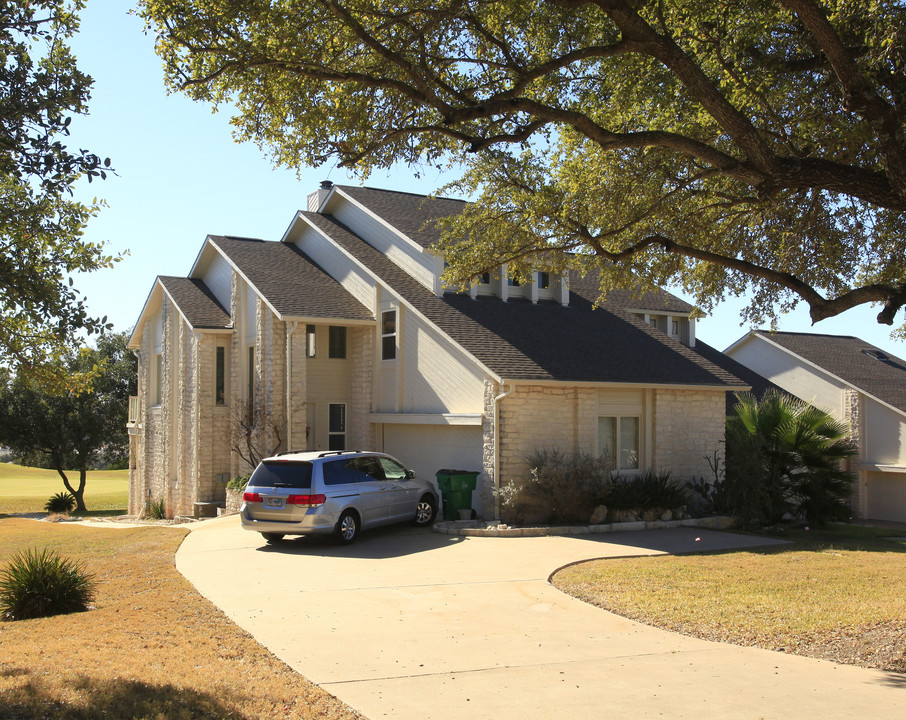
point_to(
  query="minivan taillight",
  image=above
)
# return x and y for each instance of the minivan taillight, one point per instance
(251, 497)
(306, 500)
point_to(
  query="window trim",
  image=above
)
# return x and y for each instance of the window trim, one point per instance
(220, 375)
(618, 441)
(392, 336)
(334, 333)
(331, 433)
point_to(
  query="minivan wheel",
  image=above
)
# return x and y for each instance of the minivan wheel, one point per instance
(347, 529)
(425, 511)
(271, 538)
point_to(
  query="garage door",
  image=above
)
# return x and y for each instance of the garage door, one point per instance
(886, 496)
(429, 448)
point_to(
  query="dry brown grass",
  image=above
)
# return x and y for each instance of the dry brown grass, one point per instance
(152, 647)
(839, 597)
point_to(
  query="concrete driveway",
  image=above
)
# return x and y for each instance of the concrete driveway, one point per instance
(412, 624)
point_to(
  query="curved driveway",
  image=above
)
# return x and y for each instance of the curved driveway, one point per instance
(412, 624)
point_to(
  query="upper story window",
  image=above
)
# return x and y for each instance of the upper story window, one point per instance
(310, 336)
(544, 281)
(220, 375)
(250, 390)
(512, 282)
(388, 335)
(336, 342)
(157, 377)
(484, 278)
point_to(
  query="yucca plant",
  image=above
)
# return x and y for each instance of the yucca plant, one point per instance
(40, 584)
(62, 502)
(157, 509)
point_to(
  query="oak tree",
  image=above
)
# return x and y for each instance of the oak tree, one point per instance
(732, 147)
(41, 225)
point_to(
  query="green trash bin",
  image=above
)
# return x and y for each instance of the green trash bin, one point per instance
(456, 488)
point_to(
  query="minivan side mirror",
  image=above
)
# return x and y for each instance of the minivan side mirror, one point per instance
(410, 474)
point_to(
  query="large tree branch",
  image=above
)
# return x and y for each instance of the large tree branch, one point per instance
(893, 297)
(859, 96)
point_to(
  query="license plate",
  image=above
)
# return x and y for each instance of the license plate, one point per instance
(274, 502)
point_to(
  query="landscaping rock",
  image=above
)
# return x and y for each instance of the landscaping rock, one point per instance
(599, 515)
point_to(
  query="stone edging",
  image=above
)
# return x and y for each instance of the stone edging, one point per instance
(491, 528)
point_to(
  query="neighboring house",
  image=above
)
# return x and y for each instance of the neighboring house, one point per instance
(342, 336)
(855, 382)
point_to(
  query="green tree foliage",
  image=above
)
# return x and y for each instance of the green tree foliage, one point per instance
(734, 147)
(785, 456)
(41, 226)
(73, 429)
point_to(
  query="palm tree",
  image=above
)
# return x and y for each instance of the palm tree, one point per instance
(795, 454)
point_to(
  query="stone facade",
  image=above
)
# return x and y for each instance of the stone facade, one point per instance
(852, 414)
(536, 417)
(181, 447)
(688, 427)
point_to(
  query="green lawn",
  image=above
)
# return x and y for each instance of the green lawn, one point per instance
(26, 489)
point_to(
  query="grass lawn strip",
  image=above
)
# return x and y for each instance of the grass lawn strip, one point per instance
(838, 595)
(151, 648)
(26, 489)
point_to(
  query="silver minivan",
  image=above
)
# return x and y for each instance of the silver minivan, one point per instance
(338, 492)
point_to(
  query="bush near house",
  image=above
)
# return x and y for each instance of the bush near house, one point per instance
(582, 489)
(784, 460)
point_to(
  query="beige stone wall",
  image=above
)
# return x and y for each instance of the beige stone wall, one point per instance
(360, 350)
(852, 414)
(688, 426)
(537, 417)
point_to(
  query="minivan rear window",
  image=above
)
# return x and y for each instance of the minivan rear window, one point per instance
(282, 473)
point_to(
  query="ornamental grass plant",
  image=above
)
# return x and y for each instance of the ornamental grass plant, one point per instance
(41, 584)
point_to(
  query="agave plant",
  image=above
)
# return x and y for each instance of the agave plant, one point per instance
(39, 584)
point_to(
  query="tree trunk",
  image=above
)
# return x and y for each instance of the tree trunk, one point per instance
(79, 494)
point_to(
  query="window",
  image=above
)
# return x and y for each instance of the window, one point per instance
(484, 278)
(388, 335)
(220, 376)
(309, 341)
(157, 376)
(618, 438)
(336, 342)
(544, 281)
(336, 426)
(250, 395)
(675, 327)
(512, 282)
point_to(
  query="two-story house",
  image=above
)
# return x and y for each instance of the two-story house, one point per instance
(342, 335)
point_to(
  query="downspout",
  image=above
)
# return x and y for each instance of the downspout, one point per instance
(290, 329)
(497, 400)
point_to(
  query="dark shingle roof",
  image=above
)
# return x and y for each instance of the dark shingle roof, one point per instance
(855, 361)
(411, 214)
(197, 303)
(520, 341)
(290, 281)
(759, 384)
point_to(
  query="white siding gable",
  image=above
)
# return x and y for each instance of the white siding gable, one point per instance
(217, 276)
(791, 373)
(355, 279)
(404, 252)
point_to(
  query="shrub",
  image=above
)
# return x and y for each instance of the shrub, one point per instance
(239, 482)
(62, 502)
(41, 584)
(569, 486)
(157, 509)
(784, 458)
(649, 491)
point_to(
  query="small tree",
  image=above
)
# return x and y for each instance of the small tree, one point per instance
(256, 433)
(71, 428)
(785, 456)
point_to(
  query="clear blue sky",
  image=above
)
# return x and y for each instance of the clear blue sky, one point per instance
(182, 177)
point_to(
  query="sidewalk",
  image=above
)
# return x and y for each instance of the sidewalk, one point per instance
(410, 624)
